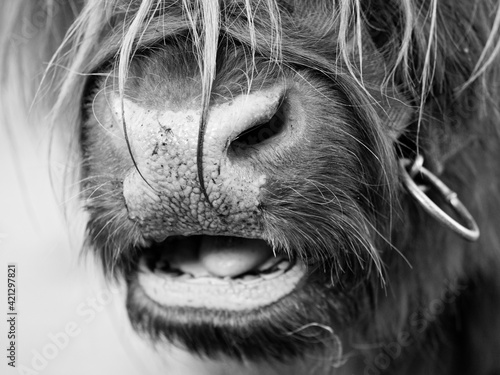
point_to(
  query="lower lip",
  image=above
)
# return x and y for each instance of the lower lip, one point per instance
(219, 294)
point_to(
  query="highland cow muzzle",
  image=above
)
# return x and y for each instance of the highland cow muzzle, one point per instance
(208, 249)
(163, 193)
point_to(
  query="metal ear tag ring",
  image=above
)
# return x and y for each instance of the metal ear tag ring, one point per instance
(471, 232)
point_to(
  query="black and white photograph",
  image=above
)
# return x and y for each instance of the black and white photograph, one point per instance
(250, 187)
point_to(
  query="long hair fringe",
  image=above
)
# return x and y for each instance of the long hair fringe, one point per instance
(71, 57)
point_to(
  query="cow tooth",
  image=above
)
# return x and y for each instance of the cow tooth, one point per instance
(272, 275)
(250, 280)
(270, 263)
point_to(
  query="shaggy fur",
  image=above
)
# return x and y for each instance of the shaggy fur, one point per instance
(389, 290)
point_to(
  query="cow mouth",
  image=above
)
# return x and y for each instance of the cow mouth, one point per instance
(217, 272)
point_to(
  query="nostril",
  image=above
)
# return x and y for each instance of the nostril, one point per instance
(262, 132)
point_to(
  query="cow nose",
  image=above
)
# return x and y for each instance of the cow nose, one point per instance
(245, 125)
(178, 187)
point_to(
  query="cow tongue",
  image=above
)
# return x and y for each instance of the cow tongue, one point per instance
(222, 256)
(232, 256)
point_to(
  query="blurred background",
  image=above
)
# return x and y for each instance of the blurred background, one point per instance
(69, 320)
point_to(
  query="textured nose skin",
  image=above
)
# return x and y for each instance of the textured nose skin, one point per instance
(163, 194)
